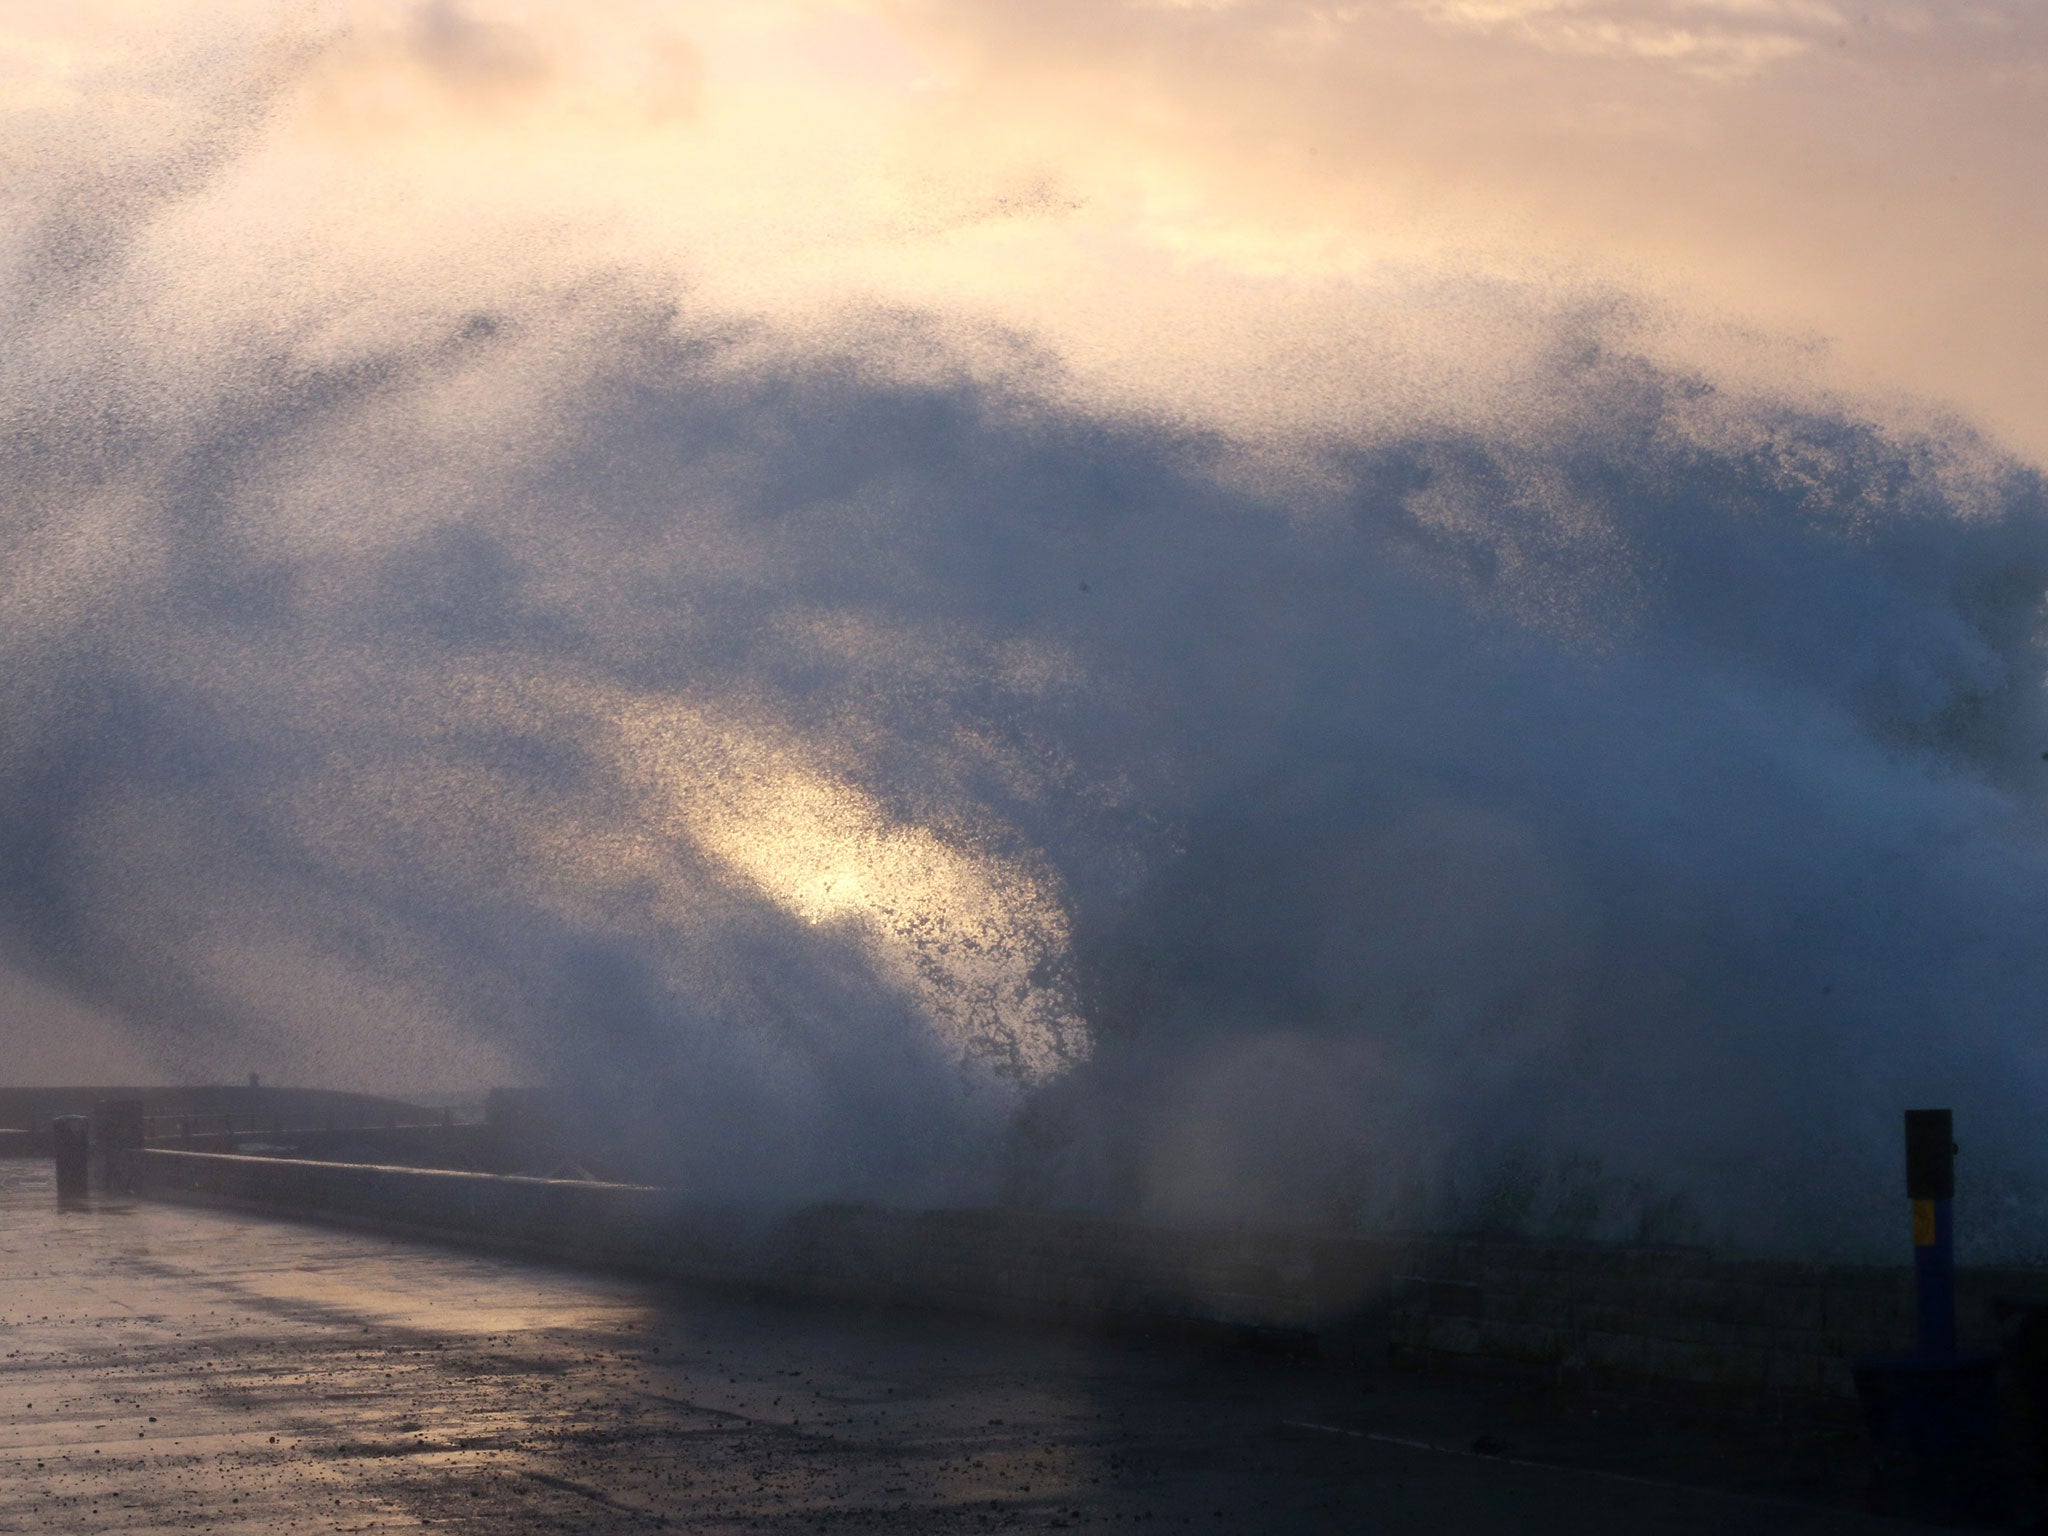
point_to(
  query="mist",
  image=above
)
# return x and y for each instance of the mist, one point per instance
(589, 552)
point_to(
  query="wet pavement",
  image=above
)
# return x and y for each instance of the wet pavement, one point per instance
(171, 1369)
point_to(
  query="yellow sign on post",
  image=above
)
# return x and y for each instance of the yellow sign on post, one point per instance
(1923, 1223)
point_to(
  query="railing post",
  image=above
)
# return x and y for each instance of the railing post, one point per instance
(71, 1136)
(117, 1138)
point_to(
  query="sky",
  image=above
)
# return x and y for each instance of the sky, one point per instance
(1073, 597)
(1159, 191)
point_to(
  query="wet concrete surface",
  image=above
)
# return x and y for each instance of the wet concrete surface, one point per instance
(170, 1369)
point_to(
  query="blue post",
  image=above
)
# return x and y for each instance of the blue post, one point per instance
(1934, 1274)
(1931, 1186)
(1933, 1414)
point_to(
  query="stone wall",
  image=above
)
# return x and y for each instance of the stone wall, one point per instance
(626, 1225)
(1288, 1290)
(1573, 1313)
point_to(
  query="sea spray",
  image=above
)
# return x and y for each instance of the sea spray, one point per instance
(858, 753)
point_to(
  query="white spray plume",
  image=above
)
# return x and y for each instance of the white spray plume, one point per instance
(729, 565)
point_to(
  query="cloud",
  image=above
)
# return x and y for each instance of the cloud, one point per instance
(1712, 38)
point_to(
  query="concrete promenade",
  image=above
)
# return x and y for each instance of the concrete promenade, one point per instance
(164, 1368)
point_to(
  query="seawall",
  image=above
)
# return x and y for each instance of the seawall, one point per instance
(1578, 1314)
